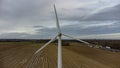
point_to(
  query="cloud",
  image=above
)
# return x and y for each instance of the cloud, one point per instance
(13, 35)
(111, 13)
(94, 32)
(101, 36)
(79, 29)
(84, 9)
(20, 9)
(99, 24)
(36, 19)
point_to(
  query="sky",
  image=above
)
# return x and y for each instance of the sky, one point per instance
(35, 19)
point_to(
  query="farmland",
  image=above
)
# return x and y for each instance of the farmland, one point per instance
(21, 55)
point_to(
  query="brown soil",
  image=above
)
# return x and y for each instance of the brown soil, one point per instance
(21, 55)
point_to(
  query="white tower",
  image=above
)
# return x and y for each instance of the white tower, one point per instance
(59, 36)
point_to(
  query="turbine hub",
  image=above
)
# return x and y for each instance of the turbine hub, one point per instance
(59, 34)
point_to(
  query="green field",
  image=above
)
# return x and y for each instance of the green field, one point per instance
(20, 55)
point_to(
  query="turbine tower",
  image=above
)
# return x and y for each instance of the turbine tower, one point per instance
(59, 36)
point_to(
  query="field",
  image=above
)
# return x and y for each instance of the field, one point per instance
(21, 55)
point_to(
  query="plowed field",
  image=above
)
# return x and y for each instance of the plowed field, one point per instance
(21, 55)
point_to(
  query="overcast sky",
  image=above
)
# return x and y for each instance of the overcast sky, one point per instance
(35, 19)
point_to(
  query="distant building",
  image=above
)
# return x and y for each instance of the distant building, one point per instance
(108, 47)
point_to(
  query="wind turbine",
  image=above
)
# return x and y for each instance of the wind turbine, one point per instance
(59, 36)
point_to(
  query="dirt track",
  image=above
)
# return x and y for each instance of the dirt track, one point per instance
(20, 55)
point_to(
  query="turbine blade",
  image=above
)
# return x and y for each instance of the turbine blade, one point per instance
(76, 39)
(57, 20)
(46, 45)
